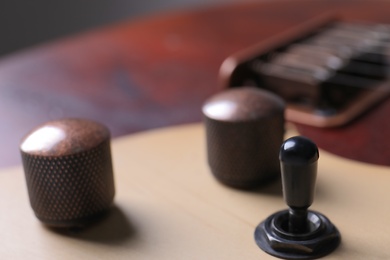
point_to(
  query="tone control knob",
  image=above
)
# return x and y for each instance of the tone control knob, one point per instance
(244, 131)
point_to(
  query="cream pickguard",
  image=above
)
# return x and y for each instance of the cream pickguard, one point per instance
(168, 206)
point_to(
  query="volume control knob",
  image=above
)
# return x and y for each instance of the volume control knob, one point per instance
(68, 170)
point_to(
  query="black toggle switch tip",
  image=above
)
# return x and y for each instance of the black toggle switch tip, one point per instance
(298, 150)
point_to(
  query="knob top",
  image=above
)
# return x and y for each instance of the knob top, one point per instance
(243, 104)
(64, 137)
(298, 150)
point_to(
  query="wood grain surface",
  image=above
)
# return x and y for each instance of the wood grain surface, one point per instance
(158, 71)
(168, 206)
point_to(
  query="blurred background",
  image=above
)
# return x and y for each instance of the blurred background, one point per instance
(24, 23)
(101, 79)
(154, 70)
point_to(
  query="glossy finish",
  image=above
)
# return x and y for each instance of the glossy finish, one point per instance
(158, 71)
(298, 150)
(238, 105)
(64, 137)
(68, 170)
(298, 233)
(244, 130)
(298, 161)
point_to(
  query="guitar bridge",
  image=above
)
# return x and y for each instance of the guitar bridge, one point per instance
(328, 72)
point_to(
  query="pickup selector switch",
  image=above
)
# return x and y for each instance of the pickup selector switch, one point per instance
(298, 233)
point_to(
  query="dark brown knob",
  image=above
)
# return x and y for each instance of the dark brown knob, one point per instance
(68, 169)
(244, 131)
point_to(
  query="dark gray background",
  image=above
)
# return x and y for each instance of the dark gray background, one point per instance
(25, 23)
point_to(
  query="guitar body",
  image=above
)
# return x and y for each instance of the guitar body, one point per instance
(168, 206)
(137, 75)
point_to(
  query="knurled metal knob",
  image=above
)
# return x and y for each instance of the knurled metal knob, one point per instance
(244, 131)
(68, 170)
